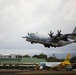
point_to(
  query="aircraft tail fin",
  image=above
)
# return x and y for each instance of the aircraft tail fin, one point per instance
(74, 31)
(66, 62)
(67, 58)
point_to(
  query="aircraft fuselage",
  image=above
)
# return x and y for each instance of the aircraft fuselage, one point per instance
(46, 41)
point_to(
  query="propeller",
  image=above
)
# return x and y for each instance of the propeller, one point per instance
(58, 37)
(63, 37)
(58, 33)
(51, 33)
(28, 33)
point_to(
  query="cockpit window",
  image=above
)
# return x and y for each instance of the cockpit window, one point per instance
(32, 34)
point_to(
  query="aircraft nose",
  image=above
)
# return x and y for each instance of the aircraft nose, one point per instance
(24, 37)
(27, 37)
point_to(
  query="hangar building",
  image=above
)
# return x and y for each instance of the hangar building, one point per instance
(20, 63)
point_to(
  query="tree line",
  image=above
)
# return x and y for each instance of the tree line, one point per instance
(52, 58)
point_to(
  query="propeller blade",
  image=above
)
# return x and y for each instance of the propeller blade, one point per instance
(58, 33)
(28, 33)
(51, 34)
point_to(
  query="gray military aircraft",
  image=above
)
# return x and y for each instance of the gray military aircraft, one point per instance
(57, 40)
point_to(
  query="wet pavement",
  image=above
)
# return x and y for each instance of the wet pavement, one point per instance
(36, 72)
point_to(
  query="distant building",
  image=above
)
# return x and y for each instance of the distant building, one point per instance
(0, 55)
(5, 56)
(10, 56)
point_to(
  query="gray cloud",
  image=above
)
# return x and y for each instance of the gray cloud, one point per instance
(18, 17)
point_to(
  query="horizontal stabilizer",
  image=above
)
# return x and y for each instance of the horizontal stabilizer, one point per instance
(67, 58)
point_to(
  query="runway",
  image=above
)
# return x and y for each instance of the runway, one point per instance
(36, 72)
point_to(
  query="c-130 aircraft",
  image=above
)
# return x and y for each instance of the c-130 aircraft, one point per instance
(57, 40)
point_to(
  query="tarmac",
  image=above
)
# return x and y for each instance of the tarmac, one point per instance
(36, 72)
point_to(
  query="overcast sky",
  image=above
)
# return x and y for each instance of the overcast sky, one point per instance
(18, 17)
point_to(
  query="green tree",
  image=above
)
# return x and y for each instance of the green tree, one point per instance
(26, 56)
(40, 56)
(52, 59)
(73, 59)
(36, 56)
(20, 56)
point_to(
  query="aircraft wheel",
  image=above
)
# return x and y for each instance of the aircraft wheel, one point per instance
(48, 46)
(31, 42)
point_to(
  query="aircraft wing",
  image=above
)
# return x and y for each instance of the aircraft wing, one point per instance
(72, 34)
(65, 37)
